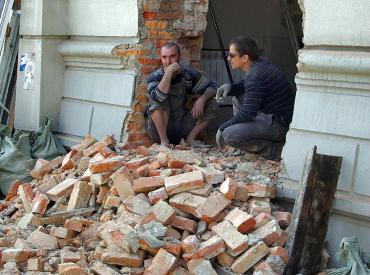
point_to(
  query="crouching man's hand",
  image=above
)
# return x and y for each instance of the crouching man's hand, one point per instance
(219, 139)
(223, 92)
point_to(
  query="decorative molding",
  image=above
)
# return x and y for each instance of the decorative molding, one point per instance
(326, 61)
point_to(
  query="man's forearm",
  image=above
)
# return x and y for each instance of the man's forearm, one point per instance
(208, 94)
(165, 84)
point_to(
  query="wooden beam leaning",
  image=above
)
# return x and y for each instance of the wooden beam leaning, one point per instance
(311, 213)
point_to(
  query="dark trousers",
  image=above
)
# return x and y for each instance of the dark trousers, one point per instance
(265, 135)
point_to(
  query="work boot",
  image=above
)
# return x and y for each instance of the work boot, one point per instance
(273, 152)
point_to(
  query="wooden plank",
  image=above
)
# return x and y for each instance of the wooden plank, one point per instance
(311, 213)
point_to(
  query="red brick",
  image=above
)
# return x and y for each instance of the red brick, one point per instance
(283, 237)
(261, 190)
(148, 184)
(101, 178)
(184, 224)
(65, 187)
(154, 165)
(280, 251)
(228, 188)
(170, 15)
(264, 268)
(162, 158)
(68, 162)
(190, 244)
(103, 191)
(13, 190)
(241, 193)
(104, 149)
(149, 15)
(112, 201)
(42, 240)
(235, 242)
(212, 207)
(187, 202)
(249, 258)
(262, 219)
(187, 168)
(35, 264)
(142, 171)
(80, 195)
(109, 164)
(47, 184)
(162, 263)
(102, 269)
(14, 255)
(243, 221)
(163, 212)
(40, 203)
(74, 225)
(173, 248)
(71, 269)
(136, 163)
(201, 266)
(225, 259)
(61, 232)
(175, 163)
(173, 233)
(268, 233)
(26, 195)
(156, 195)
(207, 250)
(259, 205)
(123, 258)
(205, 191)
(87, 142)
(210, 174)
(142, 150)
(183, 182)
(122, 180)
(283, 218)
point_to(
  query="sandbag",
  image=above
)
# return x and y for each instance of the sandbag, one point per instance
(45, 145)
(14, 165)
(21, 140)
(356, 258)
(5, 130)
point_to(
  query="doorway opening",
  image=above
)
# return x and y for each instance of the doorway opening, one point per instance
(264, 20)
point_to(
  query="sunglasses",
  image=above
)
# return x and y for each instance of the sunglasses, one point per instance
(232, 55)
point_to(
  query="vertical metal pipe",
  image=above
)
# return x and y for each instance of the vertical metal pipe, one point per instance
(220, 41)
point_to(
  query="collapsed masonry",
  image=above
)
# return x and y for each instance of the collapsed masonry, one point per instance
(145, 211)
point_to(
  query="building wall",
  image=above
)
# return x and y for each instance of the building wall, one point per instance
(77, 81)
(92, 59)
(332, 105)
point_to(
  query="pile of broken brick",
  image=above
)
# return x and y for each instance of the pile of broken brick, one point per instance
(103, 210)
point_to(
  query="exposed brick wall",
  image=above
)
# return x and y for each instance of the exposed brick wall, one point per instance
(183, 21)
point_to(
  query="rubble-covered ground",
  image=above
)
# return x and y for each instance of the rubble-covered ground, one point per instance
(158, 210)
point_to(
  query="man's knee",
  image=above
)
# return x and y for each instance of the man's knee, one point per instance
(230, 137)
(210, 110)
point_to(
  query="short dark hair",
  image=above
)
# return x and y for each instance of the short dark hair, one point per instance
(171, 44)
(246, 46)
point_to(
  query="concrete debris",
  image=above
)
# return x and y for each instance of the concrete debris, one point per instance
(158, 210)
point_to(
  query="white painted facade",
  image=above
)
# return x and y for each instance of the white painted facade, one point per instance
(77, 81)
(332, 109)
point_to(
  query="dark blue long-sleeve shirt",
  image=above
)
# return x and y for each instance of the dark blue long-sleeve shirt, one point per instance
(194, 82)
(264, 89)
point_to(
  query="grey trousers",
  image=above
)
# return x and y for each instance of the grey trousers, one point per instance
(264, 136)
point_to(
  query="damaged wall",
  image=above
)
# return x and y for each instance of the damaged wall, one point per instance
(183, 21)
(92, 59)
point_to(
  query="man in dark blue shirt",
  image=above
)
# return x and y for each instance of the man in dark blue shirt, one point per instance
(169, 116)
(262, 104)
